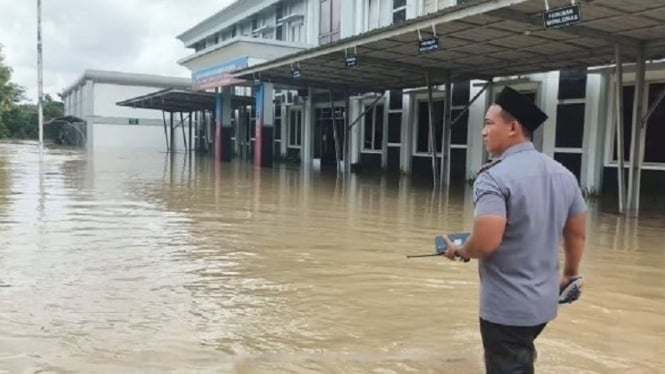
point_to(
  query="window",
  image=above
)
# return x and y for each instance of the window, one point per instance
(572, 83)
(655, 130)
(295, 128)
(329, 27)
(279, 25)
(570, 125)
(423, 138)
(255, 22)
(396, 99)
(399, 11)
(373, 129)
(278, 123)
(572, 161)
(394, 127)
(279, 11)
(460, 130)
(279, 32)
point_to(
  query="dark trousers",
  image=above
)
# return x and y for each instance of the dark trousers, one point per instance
(509, 349)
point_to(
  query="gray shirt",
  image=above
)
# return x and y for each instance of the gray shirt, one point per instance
(536, 194)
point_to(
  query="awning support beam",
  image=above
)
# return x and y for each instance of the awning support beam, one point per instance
(432, 143)
(473, 100)
(638, 137)
(362, 115)
(618, 106)
(333, 118)
(166, 136)
(445, 136)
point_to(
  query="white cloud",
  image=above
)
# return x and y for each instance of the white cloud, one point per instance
(136, 36)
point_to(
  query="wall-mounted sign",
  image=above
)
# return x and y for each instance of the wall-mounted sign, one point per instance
(563, 16)
(133, 121)
(429, 45)
(296, 73)
(219, 75)
(351, 61)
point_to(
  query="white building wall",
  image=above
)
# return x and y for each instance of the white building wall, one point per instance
(108, 124)
(107, 95)
(114, 135)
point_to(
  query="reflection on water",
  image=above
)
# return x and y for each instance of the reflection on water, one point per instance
(139, 261)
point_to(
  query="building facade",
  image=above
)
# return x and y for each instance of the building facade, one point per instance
(393, 134)
(93, 98)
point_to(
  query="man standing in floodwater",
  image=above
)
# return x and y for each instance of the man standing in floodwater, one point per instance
(525, 203)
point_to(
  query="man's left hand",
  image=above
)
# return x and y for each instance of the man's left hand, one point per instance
(452, 249)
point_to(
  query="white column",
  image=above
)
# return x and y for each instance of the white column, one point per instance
(595, 123)
(356, 134)
(88, 110)
(307, 147)
(408, 126)
(475, 147)
(384, 140)
(548, 102)
(284, 133)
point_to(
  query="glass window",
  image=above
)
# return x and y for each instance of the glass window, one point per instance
(459, 130)
(373, 128)
(655, 133)
(572, 161)
(396, 99)
(572, 83)
(295, 128)
(570, 125)
(399, 11)
(394, 127)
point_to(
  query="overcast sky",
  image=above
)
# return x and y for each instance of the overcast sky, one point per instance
(136, 36)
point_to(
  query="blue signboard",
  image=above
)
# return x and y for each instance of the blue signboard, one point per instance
(219, 76)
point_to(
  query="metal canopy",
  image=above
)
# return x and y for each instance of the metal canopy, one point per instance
(479, 39)
(178, 100)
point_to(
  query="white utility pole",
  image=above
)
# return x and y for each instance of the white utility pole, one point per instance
(40, 82)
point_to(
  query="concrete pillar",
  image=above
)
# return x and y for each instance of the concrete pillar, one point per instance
(475, 148)
(263, 145)
(226, 152)
(284, 131)
(356, 131)
(406, 134)
(87, 108)
(218, 125)
(307, 146)
(548, 101)
(384, 140)
(595, 123)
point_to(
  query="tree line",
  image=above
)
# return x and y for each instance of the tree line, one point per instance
(19, 120)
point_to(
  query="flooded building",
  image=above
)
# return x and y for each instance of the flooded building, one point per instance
(93, 97)
(308, 117)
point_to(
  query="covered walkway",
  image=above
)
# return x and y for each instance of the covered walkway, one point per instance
(485, 40)
(199, 107)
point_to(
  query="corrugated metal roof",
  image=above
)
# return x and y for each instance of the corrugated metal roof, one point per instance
(179, 100)
(480, 40)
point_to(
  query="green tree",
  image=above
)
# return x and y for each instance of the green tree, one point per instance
(10, 94)
(20, 120)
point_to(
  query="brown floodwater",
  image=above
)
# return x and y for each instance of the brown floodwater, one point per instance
(136, 261)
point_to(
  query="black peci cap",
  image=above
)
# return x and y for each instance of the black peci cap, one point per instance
(521, 107)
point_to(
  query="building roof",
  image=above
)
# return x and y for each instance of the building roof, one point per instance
(228, 16)
(128, 79)
(479, 39)
(179, 100)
